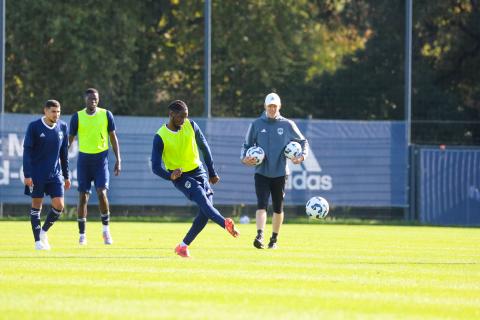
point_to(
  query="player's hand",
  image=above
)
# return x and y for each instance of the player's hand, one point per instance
(67, 184)
(214, 179)
(28, 182)
(249, 161)
(176, 174)
(298, 160)
(117, 168)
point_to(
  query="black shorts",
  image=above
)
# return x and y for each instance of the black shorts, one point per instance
(265, 186)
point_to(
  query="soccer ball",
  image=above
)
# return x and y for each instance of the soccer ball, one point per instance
(317, 207)
(257, 153)
(293, 150)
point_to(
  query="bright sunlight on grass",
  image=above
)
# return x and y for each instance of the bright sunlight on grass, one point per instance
(318, 272)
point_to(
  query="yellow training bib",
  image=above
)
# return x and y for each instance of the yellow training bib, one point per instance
(180, 148)
(92, 131)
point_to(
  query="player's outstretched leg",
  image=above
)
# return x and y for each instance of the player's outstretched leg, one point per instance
(207, 208)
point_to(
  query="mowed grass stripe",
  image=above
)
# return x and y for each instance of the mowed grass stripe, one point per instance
(319, 271)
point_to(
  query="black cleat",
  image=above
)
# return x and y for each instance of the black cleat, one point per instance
(258, 243)
(272, 244)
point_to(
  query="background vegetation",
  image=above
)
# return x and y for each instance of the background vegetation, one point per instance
(332, 59)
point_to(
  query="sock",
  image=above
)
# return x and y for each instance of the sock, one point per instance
(52, 216)
(105, 218)
(82, 222)
(183, 244)
(35, 221)
(274, 237)
(259, 234)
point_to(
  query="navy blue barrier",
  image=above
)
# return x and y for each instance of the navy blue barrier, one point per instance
(449, 186)
(351, 163)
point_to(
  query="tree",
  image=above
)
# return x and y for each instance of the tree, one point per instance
(70, 49)
(336, 59)
(264, 46)
(136, 54)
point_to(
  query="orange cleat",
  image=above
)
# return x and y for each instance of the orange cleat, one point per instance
(230, 227)
(182, 251)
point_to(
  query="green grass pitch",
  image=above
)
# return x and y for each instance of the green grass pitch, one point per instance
(319, 271)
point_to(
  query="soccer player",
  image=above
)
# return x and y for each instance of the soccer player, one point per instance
(94, 127)
(272, 133)
(45, 160)
(176, 145)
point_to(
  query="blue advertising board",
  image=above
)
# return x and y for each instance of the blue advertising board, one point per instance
(351, 163)
(449, 186)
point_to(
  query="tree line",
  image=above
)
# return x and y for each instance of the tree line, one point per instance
(329, 59)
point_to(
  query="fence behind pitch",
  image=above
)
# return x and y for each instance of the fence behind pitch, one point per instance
(449, 186)
(351, 163)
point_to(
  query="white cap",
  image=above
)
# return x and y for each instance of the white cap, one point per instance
(273, 98)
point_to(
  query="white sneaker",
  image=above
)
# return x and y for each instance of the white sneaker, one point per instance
(107, 238)
(40, 246)
(82, 240)
(44, 240)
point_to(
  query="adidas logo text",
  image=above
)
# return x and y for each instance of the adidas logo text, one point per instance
(306, 176)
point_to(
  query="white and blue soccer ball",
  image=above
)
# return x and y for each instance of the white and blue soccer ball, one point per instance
(317, 207)
(257, 153)
(292, 150)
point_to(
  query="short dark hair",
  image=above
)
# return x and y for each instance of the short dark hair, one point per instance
(91, 90)
(52, 103)
(177, 106)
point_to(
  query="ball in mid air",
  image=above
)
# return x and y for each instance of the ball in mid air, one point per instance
(317, 207)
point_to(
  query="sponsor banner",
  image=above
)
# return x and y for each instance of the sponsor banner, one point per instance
(350, 163)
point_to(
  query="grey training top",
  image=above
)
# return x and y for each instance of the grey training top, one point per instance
(272, 135)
